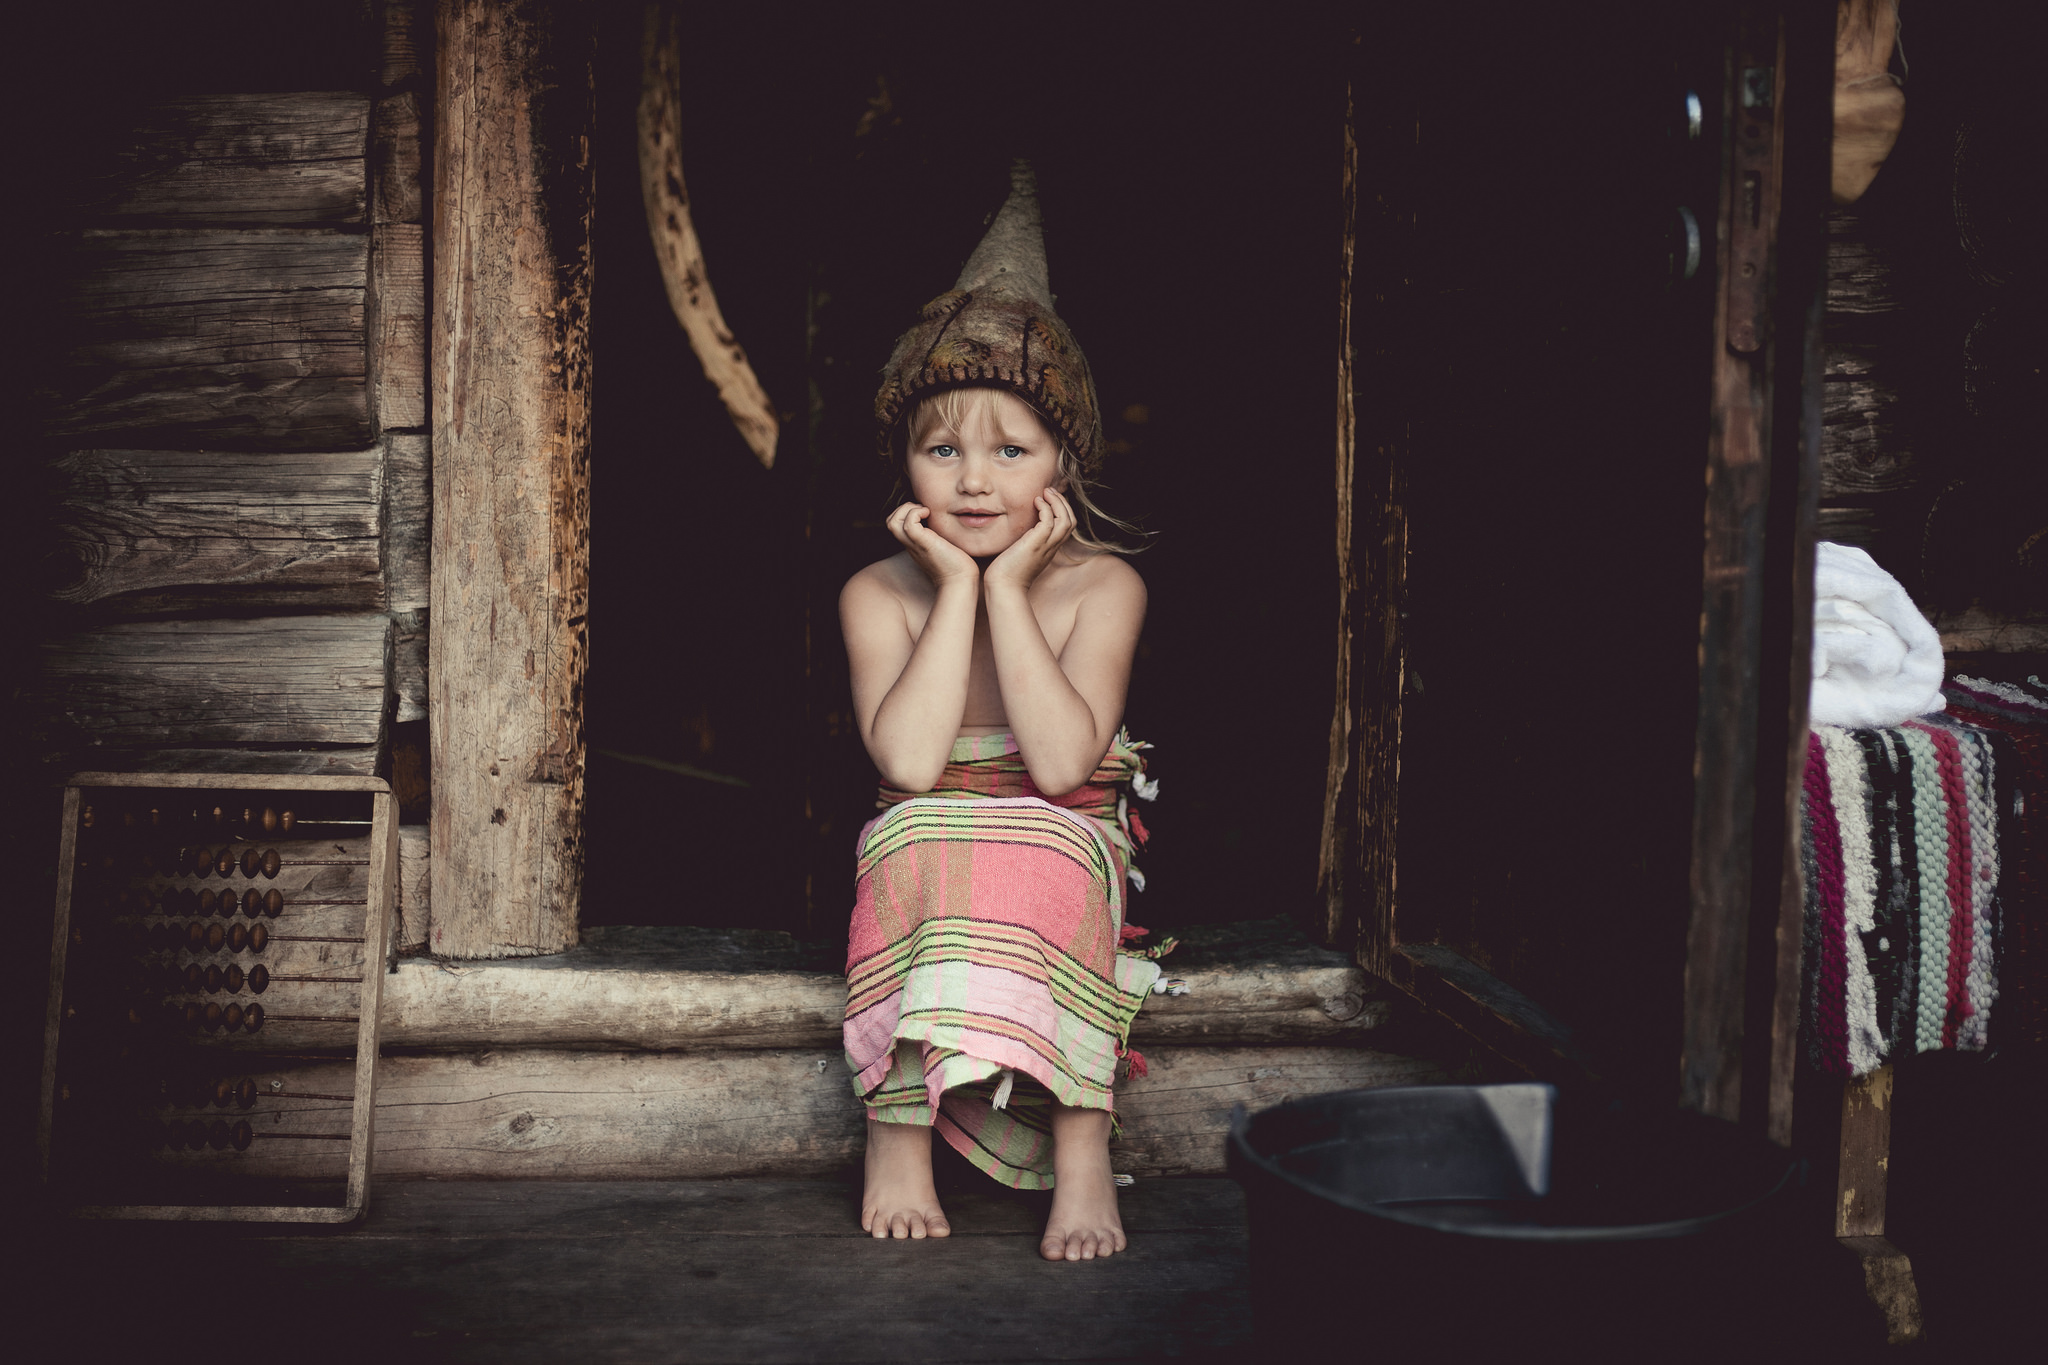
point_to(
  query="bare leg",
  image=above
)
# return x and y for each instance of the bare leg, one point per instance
(900, 1199)
(1084, 1222)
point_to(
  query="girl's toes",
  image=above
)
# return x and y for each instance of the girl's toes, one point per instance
(916, 1221)
(938, 1227)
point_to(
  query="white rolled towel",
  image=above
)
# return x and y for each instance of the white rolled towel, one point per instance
(1876, 659)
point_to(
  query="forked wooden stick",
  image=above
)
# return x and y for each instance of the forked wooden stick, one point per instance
(675, 238)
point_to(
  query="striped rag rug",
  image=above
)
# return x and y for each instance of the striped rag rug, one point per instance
(1923, 871)
(985, 967)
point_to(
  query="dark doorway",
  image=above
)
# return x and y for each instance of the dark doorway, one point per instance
(840, 167)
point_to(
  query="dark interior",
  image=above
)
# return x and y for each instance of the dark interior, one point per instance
(840, 168)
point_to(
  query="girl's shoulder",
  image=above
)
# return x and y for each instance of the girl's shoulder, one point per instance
(897, 576)
(1099, 571)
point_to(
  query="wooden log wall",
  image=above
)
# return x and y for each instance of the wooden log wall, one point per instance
(231, 402)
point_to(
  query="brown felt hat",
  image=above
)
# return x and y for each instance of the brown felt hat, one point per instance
(996, 326)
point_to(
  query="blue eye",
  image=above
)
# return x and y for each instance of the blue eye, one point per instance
(943, 451)
(1011, 452)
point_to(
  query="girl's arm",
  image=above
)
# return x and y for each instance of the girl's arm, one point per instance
(1065, 710)
(909, 694)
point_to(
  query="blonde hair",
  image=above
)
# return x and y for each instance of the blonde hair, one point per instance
(951, 407)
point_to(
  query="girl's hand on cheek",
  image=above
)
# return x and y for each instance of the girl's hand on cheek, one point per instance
(1025, 560)
(942, 561)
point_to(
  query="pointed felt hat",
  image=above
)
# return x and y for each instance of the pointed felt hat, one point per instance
(996, 326)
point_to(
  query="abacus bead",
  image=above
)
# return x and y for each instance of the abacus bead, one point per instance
(243, 1135)
(252, 1020)
(86, 817)
(285, 821)
(192, 1015)
(195, 935)
(259, 978)
(220, 815)
(223, 1091)
(195, 1134)
(194, 977)
(273, 902)
(252, 903)
(259, 938)
(215, 936)
(232, 1017)
(245, 1093)
(269, 819)
(238, 938)
(207, 901)
(212, 980)
(249, 815)
(251, 860)
(271, 862)
(233, 978)
(211, 1016)
(217, 1135)
(201, 861)
(225, 863)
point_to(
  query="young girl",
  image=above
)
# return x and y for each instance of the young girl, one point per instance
(987, 993)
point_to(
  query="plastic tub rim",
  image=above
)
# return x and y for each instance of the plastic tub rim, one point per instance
(1240, 1122)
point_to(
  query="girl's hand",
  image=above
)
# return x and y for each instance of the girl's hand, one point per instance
(1021, 564)
(943, 562)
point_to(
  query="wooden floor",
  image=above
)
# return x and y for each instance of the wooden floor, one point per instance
(743, 1270)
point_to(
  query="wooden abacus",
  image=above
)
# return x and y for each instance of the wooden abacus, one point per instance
(182, 899)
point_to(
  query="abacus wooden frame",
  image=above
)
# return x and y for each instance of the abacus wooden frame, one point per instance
(377, 923)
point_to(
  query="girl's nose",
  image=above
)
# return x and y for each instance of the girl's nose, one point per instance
(974, 474)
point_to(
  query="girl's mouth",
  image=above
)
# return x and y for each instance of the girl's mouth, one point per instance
(976, 518)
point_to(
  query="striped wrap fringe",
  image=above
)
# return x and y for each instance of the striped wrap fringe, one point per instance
(1906, 832)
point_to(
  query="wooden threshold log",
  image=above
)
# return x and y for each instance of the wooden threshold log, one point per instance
(175, 531)
(215, 340)
(285, 681)
(675, 239)
(358, 760)
(244, 159)
(556, 1115)
(1888, 1283)
(507, 653)
(673, 1000)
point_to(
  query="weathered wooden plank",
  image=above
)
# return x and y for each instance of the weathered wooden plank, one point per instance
(415, 896)
(398, 326)
(409, 665)
(269, 680)
(403, 38)
(395, 159)
(1888, 1283)
(708, 989)
(248, 340)
(176, 530)
(341, 761)
(1863, 1177)
(1977, 630)
(511, 426)
(542, 1114)
(604, 1272)
(235, 159)
(408, 514)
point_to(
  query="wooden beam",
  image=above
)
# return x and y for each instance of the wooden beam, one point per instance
(513, 112)
(1864, 1176)
(1509, 1025)
(294, 680)
(1357, 875)
(551, 1114)
(234, 160)
(397, 326)
(215, 340)
(717, 993)
(166, 530)
(676, 246)
(348, 760)
(1888, 1284)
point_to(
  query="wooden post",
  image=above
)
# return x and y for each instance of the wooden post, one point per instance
(510, 408)
(1742, 946)
(1357, 873)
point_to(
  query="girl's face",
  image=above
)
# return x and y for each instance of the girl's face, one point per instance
(979, 471)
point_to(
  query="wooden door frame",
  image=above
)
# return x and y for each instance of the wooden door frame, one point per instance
(510, 407)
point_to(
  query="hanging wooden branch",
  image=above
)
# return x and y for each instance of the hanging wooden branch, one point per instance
(675, 238)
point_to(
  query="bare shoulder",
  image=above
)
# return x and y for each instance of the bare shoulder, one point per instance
(1107, 578)
(895, 579)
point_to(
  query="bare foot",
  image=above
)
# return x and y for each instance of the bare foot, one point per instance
(1084, 1222)
(900, 1199)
